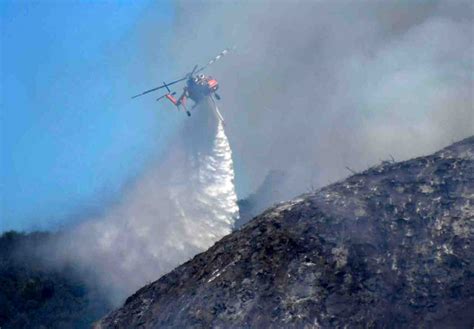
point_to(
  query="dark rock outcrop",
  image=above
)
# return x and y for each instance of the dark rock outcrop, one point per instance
(390, 247)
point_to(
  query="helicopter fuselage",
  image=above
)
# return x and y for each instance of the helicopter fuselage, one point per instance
(200, 86)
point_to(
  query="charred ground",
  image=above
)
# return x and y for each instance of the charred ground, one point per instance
(388, 247)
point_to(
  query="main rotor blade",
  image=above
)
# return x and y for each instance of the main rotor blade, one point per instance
(162, 86)
(176, 81)
(212, 61)
(194, 70)
(148, 91)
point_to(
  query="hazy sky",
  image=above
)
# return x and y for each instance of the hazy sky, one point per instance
(70, 135)
(313, 87)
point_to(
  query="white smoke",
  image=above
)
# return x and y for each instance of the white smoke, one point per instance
(175, 210)
(317, 86)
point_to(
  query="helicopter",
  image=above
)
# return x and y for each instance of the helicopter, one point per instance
(197, 88)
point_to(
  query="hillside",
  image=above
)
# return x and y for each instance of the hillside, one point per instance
(389, 247)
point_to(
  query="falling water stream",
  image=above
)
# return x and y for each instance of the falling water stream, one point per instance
(177, 208)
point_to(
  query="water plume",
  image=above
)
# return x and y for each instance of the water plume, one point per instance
(178, 208)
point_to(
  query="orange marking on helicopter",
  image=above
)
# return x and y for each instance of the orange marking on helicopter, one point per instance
(212, 83)
(172, 99)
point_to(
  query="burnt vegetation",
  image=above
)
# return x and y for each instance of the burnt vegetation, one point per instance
(390, 247)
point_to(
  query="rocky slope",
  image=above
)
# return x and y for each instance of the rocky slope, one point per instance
(390, 247)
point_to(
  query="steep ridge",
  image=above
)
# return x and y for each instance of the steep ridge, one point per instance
(389, 247)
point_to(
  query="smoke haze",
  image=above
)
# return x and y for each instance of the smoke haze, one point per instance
(176, 209)
(313, 87)
(316, 86)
